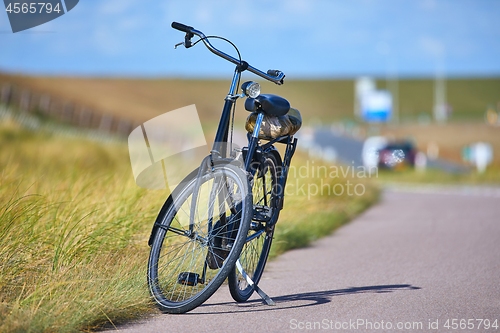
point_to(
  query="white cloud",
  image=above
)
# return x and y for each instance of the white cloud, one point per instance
(428, 4)
(300, 7)
(432, 47)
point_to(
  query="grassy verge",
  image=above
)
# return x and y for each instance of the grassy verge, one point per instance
(74, 230)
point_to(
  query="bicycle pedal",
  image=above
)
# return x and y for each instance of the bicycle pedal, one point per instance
(256, 226)
(262, 213)
(189, 279)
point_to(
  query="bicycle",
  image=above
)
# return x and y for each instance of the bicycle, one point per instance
(219, 221)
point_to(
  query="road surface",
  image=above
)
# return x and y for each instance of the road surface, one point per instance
(419, 261)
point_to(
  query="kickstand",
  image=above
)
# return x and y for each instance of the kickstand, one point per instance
(261, 293)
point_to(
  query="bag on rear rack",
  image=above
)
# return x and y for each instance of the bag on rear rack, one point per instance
(275, 126)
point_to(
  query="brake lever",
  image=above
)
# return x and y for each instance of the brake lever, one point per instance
(187, 41)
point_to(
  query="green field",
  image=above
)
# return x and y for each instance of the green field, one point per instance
(318, 100)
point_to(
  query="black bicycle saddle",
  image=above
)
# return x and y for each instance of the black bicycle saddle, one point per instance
(271, 104)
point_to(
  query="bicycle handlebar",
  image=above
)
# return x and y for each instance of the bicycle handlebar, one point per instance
(275, 76)
(182, 27)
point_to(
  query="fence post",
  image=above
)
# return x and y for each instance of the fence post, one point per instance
(7, 94)
(44, 104)
(67, 112)
(24, 104)
(106, 123)
(84, 117)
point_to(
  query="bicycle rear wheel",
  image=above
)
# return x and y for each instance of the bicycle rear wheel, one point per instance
(254, 254)
(196, 245)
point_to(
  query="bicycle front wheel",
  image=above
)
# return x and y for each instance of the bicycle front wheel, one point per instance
(197, 242)
(254, 254)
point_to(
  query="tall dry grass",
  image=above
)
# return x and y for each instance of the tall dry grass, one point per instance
(72, 230)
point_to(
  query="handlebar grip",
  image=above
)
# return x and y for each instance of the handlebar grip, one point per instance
(273, 72)
(182, 27)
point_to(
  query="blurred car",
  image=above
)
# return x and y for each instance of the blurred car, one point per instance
(397, 155)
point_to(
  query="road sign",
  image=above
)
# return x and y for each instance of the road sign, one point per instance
(376, 106)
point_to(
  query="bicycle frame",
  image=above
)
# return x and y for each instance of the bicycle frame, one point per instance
(219, 148)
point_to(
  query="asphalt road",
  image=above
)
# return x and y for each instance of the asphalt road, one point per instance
(348, 151)
(417, 260)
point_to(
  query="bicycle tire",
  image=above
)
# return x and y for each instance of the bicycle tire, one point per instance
(179, 278)
(255, 252)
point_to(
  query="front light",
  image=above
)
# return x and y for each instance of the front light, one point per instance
(251, 89)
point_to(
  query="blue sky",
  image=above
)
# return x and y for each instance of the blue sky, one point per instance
(304, 38)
